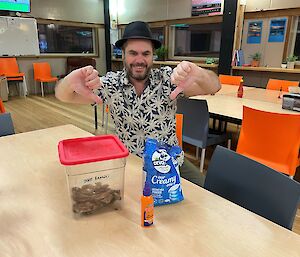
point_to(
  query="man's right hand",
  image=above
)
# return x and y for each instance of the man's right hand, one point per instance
(78, 86)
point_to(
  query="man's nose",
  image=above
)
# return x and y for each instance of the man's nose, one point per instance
(140, 58)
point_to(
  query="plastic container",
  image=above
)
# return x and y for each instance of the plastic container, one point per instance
(95, 172)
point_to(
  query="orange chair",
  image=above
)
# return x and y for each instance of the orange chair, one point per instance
(179, 125)
(276, 84)
(42, 73)
(9, 68)
(2, 109)
(272, 139)
(230, 80)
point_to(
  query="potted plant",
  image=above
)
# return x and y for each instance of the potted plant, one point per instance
(210, 60)
(255, 59)
(161, 53)
(291, 61)
(284, 64)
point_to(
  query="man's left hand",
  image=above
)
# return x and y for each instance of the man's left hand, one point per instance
(183, 76)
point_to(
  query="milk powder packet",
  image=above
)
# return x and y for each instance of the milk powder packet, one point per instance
(162, 171)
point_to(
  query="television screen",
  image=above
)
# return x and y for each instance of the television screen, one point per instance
(15, 5)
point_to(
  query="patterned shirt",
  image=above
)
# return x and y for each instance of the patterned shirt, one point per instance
(152, 114)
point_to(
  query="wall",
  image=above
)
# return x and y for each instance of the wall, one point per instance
(152, 10)
(156, 10)
(86, 11)
(257, 5)
(271, 52)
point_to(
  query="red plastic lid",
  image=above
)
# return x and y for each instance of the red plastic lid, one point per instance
(91, 149)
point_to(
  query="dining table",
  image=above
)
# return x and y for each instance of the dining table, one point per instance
(225, 105)
(36, 218)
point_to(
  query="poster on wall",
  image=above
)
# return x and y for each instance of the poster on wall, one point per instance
(254, 32)
(207, 7)
(277, 30)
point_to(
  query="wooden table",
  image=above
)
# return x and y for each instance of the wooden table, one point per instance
(266, 69)
(231, 89)
(225, 104)
(36, 219)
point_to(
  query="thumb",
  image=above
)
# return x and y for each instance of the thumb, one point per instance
(96, 99)
(176, 92)
(89, 94)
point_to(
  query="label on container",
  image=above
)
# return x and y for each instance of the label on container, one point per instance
(148, 215)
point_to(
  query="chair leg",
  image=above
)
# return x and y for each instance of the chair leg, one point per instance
(197, 152)
(35, 87)
(106, 119)
(103, 112)
(229, 144)
(96, 116)
(24, 86)
(42, 88)
(202, 160)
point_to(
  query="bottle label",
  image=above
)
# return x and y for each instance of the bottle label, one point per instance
(148, 215)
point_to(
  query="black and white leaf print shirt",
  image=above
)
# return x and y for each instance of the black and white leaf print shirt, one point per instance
(137, 117)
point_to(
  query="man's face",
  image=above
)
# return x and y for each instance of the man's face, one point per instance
(138, 58)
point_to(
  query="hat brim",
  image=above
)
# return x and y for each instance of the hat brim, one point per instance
(156, 43)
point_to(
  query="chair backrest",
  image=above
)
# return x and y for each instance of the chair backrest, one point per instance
(253, 186)
(270, 138)
(276, 84)
(196, 120)
(6, 125)
(2, 108)
(8, 66)
(78, 62)
(179, 125)
(230, 80)
(41, 70)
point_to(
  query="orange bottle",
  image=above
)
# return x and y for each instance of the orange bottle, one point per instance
(240, 91)
(280, 93)
(147, 207)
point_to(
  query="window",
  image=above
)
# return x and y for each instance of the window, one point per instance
(159, 34)
(196, 40)
(297, 42)
(62, 39)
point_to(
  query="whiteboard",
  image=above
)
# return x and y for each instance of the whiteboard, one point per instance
(18, 36)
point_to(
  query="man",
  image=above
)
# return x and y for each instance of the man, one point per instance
(142, 100)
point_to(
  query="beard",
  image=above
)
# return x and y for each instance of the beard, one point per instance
(140, 76)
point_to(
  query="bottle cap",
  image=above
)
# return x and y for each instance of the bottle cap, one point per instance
(147, 190)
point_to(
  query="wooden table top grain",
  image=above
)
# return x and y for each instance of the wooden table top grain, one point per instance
(36, 218)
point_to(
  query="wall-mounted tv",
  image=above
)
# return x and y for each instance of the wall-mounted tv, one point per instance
(15, 5)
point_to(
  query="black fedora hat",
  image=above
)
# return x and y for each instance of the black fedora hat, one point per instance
(137, 30)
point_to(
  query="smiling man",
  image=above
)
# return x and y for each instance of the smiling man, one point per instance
(142, 100)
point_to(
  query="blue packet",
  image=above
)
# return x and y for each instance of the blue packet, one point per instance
(162, 172)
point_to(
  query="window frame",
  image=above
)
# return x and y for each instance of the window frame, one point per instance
(295, 21)
(94, 27)
(190, 21)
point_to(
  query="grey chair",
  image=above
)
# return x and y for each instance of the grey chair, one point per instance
(253, 186)
(196, 126)
(6, 124)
